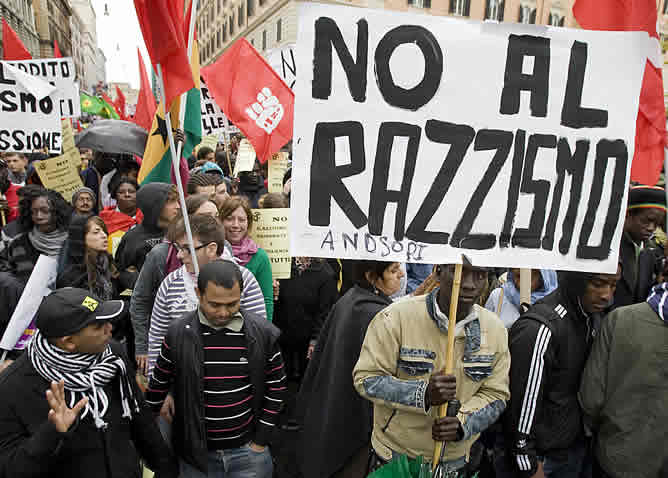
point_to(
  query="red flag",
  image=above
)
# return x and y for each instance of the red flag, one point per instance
(56, 50)
(161, 23)
(146, 106)
(253, 97)
(106, 98)
(119, 104)
(13, 47)
(636, 15)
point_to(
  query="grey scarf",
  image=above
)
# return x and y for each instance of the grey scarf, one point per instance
(48, 243)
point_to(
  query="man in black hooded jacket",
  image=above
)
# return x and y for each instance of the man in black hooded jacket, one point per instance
(159, 202)
(549, 345)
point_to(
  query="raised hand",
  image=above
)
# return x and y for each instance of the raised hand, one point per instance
(267, 112)
(60, 414)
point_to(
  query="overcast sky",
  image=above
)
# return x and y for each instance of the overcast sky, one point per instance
(118, 35)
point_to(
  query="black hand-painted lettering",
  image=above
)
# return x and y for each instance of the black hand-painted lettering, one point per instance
(418, 96)
(573, 164)
(326, 176)
(350, 240)
(327, 34)
(485, 140)
(540, 188)
(605, 150)
(329, 239)
(380, 195)
(573, 115)
(513, 188)
(460, 138)
(538, 83)
(4, 79)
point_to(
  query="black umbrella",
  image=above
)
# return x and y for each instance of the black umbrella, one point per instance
(113, 136)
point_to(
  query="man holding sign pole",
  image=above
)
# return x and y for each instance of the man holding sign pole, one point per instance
(400, 371)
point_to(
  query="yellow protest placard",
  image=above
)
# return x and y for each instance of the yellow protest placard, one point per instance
(245, 158)
(60, 175)
(271, 232)
(278, 165)
(70, 149)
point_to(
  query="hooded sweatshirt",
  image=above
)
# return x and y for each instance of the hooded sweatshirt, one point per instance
(623, 393)
(137, 242)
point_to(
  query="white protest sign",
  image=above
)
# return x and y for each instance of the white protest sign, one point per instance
(30, 118)
(41, 282)
(419, 138)
(58, 71)
(213, 119)
(245, 158)
(282, 60)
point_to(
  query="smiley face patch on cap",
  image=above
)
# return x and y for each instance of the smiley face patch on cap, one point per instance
(90, 303)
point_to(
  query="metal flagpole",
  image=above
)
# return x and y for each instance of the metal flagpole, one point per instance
(177, 169)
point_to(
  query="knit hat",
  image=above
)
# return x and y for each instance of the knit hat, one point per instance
(644, 197)
(83, 189)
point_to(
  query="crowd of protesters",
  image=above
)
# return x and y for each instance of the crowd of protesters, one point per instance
(141, 359)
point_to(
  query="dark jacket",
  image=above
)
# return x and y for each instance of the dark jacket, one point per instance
(304, 301)
(549, 344)
(188, 428)
(336, 420)
(637, 277)
(624, 392)
(19, 257)
(138, 241)
(91, 179)
(31, 447)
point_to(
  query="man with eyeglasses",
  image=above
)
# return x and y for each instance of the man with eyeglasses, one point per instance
(176, 295)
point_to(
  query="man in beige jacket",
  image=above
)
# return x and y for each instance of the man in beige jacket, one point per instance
(400, 371)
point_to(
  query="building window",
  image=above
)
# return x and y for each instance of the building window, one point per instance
(253, 41)
(525, 13)
(420, 3)
(665, 7)
(556, 20)
(262, 2)
(240, 16)
(494, 10)
(250, 8)
(460, 7)
(231, 25)
(279, 33)
(264, 40)
(218, 38)
(224, 32)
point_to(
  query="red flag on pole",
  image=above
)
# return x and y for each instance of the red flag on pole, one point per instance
(146, 106)
(253, 97)
(636, 15)
(12, 46)
(161, 23)
(56, 50)
(119, 104)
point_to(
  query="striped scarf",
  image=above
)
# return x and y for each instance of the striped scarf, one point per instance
(85, 375)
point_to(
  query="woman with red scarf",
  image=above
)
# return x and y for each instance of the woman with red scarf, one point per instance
(124, 216)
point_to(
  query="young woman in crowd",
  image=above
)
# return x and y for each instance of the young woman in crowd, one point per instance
(201, 204)
(85, 262)
(43, 218)
(336, 419)
(120, 218)
(543, 283)
(237, 218)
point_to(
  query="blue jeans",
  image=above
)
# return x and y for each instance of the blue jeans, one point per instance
(233, 463)
(577, 463)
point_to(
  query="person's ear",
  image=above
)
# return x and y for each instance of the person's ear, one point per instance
(370, 277)
(212, 250)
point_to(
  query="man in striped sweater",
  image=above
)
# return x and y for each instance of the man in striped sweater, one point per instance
(176, 295)
(225, 371)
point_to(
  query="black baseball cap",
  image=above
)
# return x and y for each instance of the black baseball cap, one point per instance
(68, 310)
